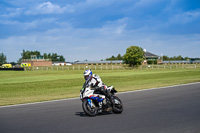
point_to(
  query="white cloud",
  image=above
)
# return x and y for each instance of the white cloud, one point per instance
(8, 22)
(145, 3)
(75, 45)
(12, 12)
(99, 2)
(115, 27)
(38, 22)
(46, 8)
(90, 5)
(185, 17)
(171, 6)
(118, 26)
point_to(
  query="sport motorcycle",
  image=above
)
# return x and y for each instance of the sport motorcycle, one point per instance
(94, 103)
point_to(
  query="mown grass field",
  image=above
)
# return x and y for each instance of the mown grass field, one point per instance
(35, 86)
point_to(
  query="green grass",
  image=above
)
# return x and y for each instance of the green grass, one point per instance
(35, 86)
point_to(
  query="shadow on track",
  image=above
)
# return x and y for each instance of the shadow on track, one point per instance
(82, 114)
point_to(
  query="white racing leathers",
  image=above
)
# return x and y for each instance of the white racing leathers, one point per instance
(95, 81)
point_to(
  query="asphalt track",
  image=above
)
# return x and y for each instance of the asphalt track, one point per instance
(166, 110)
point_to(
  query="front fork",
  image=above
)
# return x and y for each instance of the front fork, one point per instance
(90, 102)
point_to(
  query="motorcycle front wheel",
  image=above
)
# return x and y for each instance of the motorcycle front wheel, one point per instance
(90, 111)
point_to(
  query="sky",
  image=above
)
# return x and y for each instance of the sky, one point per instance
(97, 29)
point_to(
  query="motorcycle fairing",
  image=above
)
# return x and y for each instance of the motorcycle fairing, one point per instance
(97, 98)
(90, 102)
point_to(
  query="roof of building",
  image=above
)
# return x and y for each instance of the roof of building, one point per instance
(150, 55)
(147, 55)
(93, 62)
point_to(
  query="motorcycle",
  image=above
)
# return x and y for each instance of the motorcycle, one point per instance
(94, 103)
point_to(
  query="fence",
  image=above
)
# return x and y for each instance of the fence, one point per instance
(112, 67)
(171, 66)
(78, 67)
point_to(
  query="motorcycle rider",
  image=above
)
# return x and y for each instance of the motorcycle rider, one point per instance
(95, 82)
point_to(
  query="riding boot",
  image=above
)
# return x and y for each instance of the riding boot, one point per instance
(110, 97)
(107, 94)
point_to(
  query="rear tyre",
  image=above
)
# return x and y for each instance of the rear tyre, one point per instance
(118, 106)
(90, 111)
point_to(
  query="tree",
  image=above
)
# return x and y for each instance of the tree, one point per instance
(54, 56)
(165, 58)
(111, 58)
(45, 56)
(186, 58)
(134, 56)
(179, 57)
(119, 57)
(27, 54)
(62, 59)
(49, 56)
(2, 58)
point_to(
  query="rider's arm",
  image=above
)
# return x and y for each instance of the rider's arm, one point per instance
(97, 81)
(94, 83)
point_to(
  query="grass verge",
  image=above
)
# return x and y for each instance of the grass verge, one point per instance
(35, 86)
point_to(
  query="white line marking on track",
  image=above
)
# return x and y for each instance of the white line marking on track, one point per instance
(17, 105)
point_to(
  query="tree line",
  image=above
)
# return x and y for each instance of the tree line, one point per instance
(166, 58)
(52, 56)
(134, 56)
(118, 57)
(27, 55)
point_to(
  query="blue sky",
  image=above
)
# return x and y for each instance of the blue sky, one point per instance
(97, 29)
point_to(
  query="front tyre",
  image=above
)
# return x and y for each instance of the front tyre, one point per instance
(118, 106)
(90, 111)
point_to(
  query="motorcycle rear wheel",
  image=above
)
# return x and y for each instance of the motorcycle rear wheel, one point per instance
(90, 111)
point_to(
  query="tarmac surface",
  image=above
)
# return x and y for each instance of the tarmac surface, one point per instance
(173, 109)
